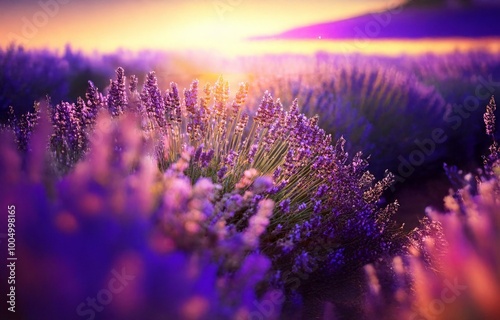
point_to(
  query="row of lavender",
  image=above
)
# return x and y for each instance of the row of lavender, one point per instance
(201, 210)
(380, 105)
(411, 114)
(31, 75)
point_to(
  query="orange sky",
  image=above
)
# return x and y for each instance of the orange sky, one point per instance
(215, 25)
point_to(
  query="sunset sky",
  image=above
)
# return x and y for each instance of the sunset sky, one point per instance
(163, 24)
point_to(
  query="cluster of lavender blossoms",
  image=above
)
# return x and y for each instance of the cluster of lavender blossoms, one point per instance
(249, 197)
(323, 198)
(23, 125)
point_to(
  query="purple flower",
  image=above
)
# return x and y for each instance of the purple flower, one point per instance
(117, 98)
(221, 173)
(285, 205)
(206, 157)
(322, 189)
(302, 206)
(262, 184)
(489, 117)
(197, 154)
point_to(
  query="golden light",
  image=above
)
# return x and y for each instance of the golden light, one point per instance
(218, 26)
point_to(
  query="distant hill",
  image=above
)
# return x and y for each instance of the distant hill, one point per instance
(407, 22)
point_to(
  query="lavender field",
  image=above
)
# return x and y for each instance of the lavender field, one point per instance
(151, 183)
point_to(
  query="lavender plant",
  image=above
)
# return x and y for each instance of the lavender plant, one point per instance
(23, 126)
(230, 185)
(320, 193)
